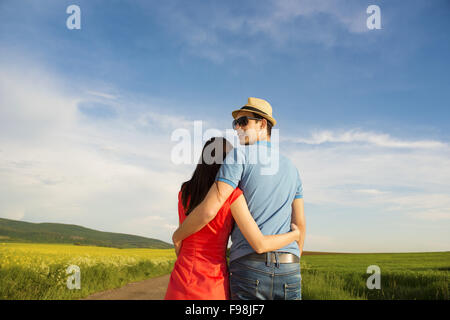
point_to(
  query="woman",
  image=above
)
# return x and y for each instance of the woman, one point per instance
(201, 271)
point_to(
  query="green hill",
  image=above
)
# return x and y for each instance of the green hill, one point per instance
(20, 231)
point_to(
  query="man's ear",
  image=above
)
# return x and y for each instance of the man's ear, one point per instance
(263, 124)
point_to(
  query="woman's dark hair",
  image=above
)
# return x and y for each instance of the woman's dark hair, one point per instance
(205, 172)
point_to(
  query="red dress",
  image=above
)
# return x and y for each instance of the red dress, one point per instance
(201, 271)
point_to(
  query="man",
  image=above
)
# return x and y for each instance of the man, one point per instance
(274, 198)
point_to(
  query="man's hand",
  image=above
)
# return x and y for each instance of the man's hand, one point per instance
(298, 218)
(295, 229)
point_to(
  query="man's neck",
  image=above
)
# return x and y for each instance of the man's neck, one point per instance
(263, 137)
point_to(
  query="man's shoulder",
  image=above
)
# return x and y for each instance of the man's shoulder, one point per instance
(287, 162)
(236, 155)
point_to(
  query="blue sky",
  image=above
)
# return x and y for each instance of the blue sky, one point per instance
(87, 115)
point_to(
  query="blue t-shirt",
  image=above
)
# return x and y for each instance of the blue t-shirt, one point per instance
(270, 183)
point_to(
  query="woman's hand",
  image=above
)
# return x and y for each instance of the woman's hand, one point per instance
(176, 244)
(295, 229)
(177, 247)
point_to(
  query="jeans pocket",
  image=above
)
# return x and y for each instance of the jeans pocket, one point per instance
(243, 288)
(292, 291)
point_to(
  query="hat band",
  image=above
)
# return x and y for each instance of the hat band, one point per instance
(253, 109)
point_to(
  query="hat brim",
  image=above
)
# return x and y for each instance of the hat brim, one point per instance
(265, 116)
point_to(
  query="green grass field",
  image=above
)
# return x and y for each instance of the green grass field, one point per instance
(403, 276)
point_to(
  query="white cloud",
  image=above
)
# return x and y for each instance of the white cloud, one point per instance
(357, 135)
(247, 32)
(27, 110)
(57, 167)
(315, 242)
(13, 213)
(437, 214)
(353, 18)
(371, 191)
(164, 121)
(102, 95)
(375, 172)
(160, 227)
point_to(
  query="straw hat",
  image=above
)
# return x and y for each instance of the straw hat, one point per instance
(258, 106)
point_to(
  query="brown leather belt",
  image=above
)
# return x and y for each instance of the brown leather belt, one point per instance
(283, 257)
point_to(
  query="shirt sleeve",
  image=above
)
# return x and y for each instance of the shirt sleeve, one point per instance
(232, 168)
(299, 190)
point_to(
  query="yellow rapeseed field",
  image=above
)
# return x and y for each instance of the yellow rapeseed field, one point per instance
(40, 256)
(38, 271)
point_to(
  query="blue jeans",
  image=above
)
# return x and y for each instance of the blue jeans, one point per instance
(259, 280)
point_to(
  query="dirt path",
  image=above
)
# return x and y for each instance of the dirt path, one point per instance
(150, 289)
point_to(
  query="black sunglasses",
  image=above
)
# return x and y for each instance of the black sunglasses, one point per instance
(242, 121)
